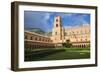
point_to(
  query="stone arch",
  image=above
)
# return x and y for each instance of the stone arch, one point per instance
(84, 45)
(79, 45)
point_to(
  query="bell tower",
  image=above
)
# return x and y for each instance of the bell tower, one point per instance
(57, 30)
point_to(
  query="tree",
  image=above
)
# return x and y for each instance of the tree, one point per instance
(67, 44)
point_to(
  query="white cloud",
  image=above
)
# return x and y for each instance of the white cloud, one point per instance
(67, 15)
(47, 16)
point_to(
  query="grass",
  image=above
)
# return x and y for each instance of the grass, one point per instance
(57, 54)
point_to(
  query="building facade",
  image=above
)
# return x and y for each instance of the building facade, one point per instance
(77, 36)
(33, 40)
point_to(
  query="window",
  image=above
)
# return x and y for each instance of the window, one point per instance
(42, 39)
(72, 32)
(31, 38)
(25, 37)
(39, 39)
(56, 20)
(56, 25)
(50, 40)
(46, 40)
(65, 34)
(35, 38)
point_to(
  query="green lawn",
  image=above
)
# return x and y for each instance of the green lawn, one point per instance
(57, 54)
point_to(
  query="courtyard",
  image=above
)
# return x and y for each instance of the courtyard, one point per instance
(63, 53)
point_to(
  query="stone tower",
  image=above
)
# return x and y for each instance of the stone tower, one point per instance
(57, 31)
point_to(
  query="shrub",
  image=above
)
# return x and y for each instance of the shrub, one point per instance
(67, 45)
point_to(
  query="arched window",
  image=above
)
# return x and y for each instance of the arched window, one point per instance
(31, 38)
(36, 38)
(56, 25)
(42, 39)
(25, 37)
(65, 33)
(56, 20)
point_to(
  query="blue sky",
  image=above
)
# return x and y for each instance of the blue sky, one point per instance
(44, 20)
